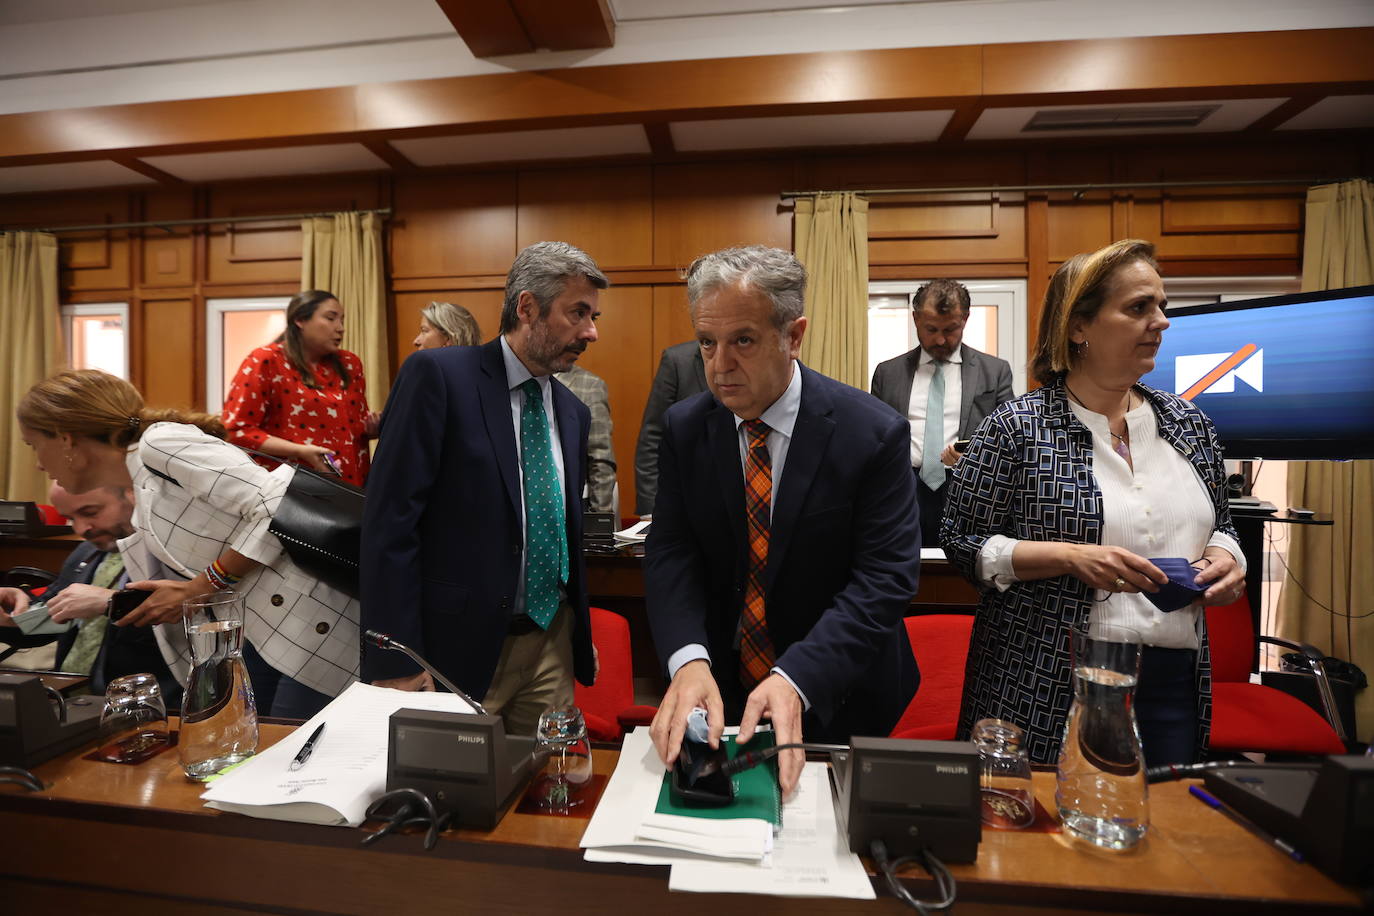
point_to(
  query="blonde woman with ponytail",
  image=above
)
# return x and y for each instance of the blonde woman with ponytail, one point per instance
(201, 513)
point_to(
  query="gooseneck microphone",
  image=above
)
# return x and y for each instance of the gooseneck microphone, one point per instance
(382, 641)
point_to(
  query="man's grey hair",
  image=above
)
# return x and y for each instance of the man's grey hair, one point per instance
(544, 269)
(773, 272)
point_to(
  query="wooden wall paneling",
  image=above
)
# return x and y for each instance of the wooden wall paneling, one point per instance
(1259, 224)
(919, 167)
(607, 212)
(168, 335)
(271, 252)
(1222, 213)
(955, 229)
(454, 225)
(167, 257)
(622, 356)
(485, 305)
(672, 321)
(1074, 226)
(96, 260)
(701, 208)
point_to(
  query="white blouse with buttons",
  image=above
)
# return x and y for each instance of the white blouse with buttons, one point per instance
(1161, 508)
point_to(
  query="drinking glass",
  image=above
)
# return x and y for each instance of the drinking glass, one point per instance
(1007, 799)
(563, 733)
(135, 716)
(219, 722)
(1101, 792)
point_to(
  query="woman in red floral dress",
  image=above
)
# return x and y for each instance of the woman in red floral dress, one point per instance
(302, 398)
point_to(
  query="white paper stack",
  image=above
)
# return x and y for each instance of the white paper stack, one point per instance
(808, 858)
(344, 774)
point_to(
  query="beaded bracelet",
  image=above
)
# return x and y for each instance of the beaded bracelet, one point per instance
(219, 577)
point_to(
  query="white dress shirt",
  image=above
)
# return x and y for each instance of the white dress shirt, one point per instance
(920, 397)
(781, 418)
(517, 375)
(1161, 508)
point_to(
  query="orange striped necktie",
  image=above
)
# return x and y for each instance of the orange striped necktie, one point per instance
(755, 648)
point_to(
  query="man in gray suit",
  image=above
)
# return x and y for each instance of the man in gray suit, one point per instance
(681, 374)
(943, 404)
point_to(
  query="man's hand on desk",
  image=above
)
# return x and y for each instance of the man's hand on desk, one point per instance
(414, 683)
(692, 686)
(78, 601)
(778, 700)
(12, 601)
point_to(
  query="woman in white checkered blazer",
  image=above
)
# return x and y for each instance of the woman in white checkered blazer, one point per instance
(201, 513)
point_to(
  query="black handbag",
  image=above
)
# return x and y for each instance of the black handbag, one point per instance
(320, 525)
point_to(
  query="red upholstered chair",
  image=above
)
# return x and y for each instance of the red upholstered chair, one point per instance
(50, 516)
(609, 705)
(1252, 717)
(940, 644)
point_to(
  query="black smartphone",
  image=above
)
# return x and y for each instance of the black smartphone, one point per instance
(698, 778)
(125, 600)
(960, 445)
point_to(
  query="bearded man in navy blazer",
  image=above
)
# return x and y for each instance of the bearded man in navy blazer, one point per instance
(785, 546)
(472, 531)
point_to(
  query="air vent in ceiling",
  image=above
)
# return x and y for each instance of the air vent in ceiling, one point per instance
(1119, 118)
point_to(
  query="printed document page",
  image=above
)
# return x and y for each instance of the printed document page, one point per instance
(345, 772)
(810, 858)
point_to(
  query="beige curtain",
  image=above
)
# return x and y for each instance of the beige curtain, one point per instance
(832, 243)
(1335, 565)
(30, 349)
(342, 253)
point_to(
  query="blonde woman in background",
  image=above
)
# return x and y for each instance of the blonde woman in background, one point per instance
(443, 324)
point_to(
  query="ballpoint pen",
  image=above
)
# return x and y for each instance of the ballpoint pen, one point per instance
(1211, 801)
(306, 749)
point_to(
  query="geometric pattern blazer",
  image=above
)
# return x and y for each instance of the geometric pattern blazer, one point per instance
(1028, 475)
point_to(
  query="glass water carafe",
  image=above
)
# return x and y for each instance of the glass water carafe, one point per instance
(1101, 792)
(219, 723)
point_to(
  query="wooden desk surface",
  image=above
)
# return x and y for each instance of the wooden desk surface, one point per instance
(110, 838)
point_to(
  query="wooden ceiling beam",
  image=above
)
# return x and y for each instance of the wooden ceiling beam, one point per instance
(567, 25)
(490, 28)
(134, 164)
(1283, 113)
(389, 154)
(660, 136)
(964, 78)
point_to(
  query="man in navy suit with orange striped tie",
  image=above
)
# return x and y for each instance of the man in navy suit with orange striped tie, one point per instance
(785, 547)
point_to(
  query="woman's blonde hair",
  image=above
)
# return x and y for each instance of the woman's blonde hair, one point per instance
(96, 405)
(1077, 291)
(454, 322)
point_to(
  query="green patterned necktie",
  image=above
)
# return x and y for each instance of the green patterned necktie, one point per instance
(546, 540)
(81, 657)
(932, 469)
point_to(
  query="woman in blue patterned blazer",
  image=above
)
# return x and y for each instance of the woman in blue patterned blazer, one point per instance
(1062, 496)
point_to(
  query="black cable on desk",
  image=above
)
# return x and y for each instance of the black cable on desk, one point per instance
(416, 809)
(944, 881)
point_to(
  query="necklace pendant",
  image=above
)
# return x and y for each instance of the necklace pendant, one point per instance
(1122, 449)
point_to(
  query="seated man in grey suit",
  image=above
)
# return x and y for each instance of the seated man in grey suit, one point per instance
(942, 405)
(79, 596)
(680, 375)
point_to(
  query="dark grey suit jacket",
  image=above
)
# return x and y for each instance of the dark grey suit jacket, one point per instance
(681, 374)
(984, 380)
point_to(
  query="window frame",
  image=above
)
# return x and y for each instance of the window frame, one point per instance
(73, 310)
(215, 370)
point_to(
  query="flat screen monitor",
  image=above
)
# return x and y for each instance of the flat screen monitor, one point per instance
(1287, 377)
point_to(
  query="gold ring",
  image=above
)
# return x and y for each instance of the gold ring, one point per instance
(1120, 583)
